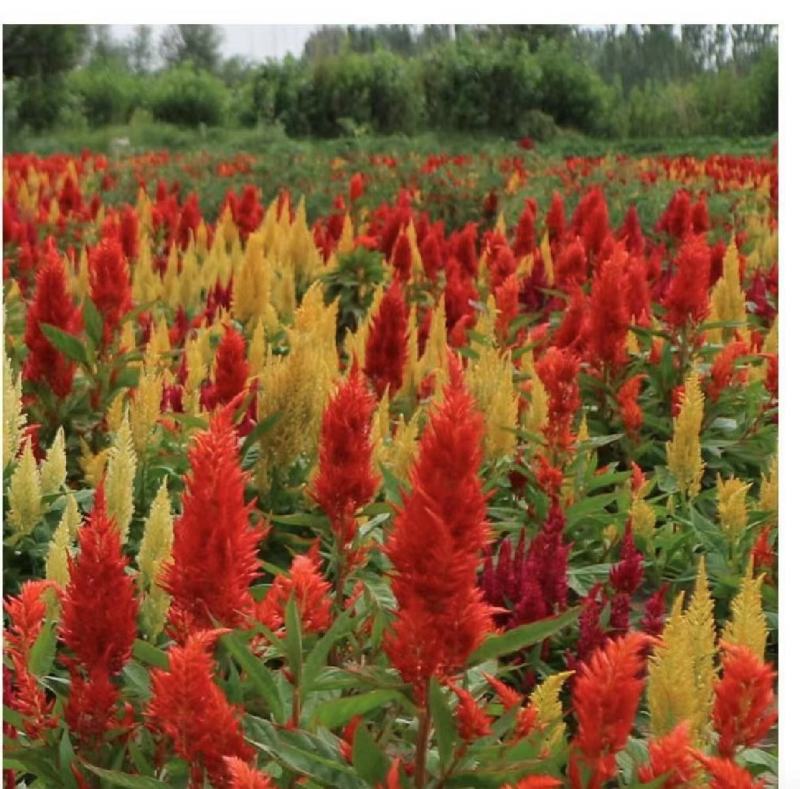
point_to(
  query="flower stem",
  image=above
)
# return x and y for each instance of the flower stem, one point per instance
(422, 746)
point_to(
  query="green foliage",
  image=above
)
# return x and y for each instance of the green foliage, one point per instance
(107, 92)
(187, 97)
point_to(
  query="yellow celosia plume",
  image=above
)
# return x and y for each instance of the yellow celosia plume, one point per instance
(684, 458)
(53, 472)
(14, 417)
(120, 478)
(748, 625)
(25, 494)
(732, 507)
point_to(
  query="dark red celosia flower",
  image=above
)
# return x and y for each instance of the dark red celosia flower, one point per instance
(723, 373)
(463, 246)
(189, 708)
(627, 575)
(629, 409)
(771, 380)
(525, 234)
(473, 722)
(655, 613)
(242, 776)
(460, 294)
(637, 291)
(606, 696)
(311, 593)
(590, 632)
(590, 220)
(99, 638)
(571, 265)
(439, 534)
(631, 232)
(109, 284)
(69, 199)
(744, 700)
(387, 342)
(190, 219)
(687, 295)
(700, 220)
(609, 314)
(502, 264)
(345, 479)
(431, 252)
(573, 332)
(556, 219)
(213, 538)
(552, 559)
(726, 774)
(676, 219)
(231, 369)
(401, 257)
(558, 371)
(763, 552)
(671, 759)
(52, 304)
(129, 232)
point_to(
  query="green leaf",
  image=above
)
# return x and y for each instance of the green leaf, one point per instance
(43, 652)
(147, 653)
(369, 760)
(67, 343)
(443, 723)
(66, 756)
(319, 653)
(523, 636)
(261, 428)
(93, 321)
(257, 672)
(12, 717)
(336, 712)
(294, 640)
(116, 778)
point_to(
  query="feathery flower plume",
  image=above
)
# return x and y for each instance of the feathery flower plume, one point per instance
(230, 367)
(629, 408)
(56, 565)
(687, 295)
(100, 638)
(242, 776)
(671, 759)
(25, 493)
(684, 458)
(53, 471)
(606, 696)
(609, 314)
(558, 371)
(189, 708)
(213, 538)
(110, 286)
(345, 479)
(14, 417)
(727, 298)
(747, 626)
(120, 477)
(439, 534)
(472, 719)
(744, 700)
(726, 774)
(311, 593)
(387, 342)
(732, 506)
(52, 304)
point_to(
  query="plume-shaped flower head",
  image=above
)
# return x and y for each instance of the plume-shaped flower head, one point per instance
(439, 534)
(215, 549)
(109, 283)
(387, 342)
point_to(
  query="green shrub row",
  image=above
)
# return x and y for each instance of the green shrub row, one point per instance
(467, 87)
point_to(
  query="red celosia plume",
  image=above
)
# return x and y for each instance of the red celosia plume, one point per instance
(387, 342)
(109, 284)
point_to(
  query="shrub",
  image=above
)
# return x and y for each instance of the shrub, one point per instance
(107, 93)
(188, 97)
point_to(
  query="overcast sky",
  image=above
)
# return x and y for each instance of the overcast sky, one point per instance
(251, 41)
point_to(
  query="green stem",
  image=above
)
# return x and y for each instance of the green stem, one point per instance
(422, 746)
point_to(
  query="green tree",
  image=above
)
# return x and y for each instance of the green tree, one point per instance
(198, 44)
(141, 52)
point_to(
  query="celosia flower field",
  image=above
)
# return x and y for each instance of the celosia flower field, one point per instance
(459, 471)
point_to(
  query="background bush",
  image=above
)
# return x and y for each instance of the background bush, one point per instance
(188, 97)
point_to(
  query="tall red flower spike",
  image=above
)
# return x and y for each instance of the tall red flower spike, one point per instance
(192, 711)
(345, 480)
(629, 408)
(606, 695)
(609, 315)
(558, 370)
(215, 549)
(387, 342)
(439, 535)
(311, 593)
(231, 367)
(99, 637)
(109, 284)
(687, 294)
(671, 756)
(52, 304)
(744, 700)
(242, 776)
(473, 721)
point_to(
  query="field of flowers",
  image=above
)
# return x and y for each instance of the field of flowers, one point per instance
(376, 471)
